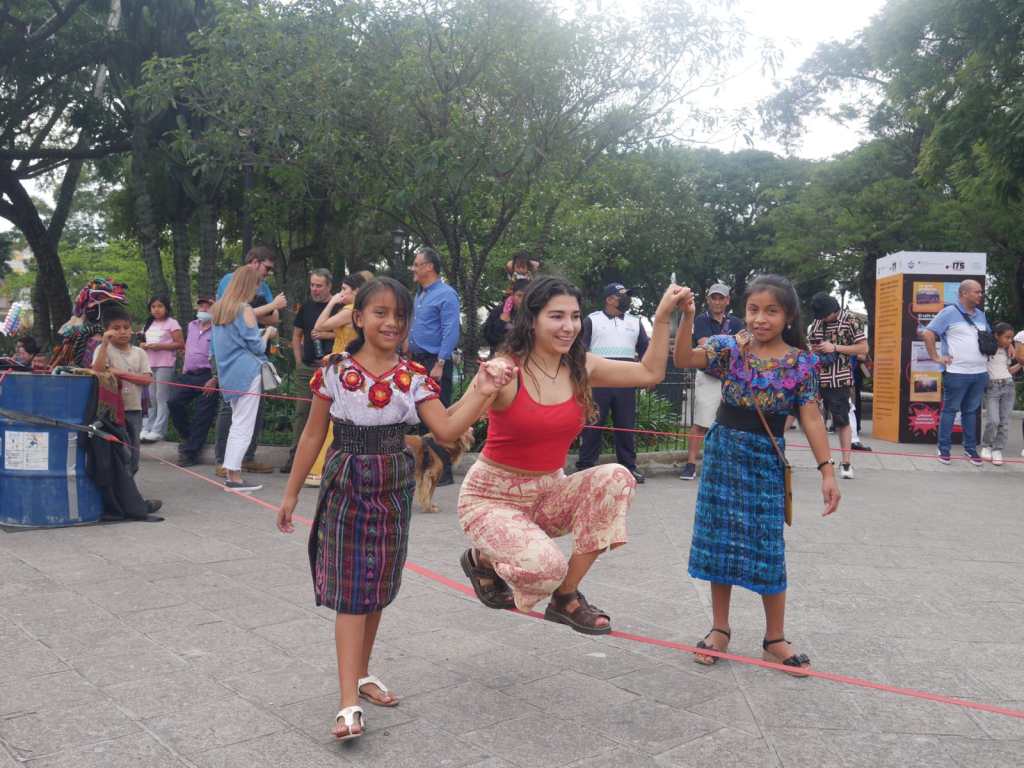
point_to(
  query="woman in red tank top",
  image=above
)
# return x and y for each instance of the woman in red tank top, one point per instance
(516, 499)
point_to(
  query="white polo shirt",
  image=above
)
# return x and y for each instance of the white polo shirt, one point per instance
(960, 338)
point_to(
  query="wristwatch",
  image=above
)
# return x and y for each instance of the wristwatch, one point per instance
(825, 462)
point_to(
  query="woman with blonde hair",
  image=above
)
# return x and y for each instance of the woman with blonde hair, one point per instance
(240, 351)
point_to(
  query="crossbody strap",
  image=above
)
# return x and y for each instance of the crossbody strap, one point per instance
(764, 421)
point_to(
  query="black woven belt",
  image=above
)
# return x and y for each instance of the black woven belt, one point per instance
(746, 419)
(353, 438)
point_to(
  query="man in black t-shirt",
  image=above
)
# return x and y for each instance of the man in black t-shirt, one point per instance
(308, 349)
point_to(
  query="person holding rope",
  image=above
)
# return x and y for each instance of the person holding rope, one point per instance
(516, 498)
(737, 540)
(359, 537)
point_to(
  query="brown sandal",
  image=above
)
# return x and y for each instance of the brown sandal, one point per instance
(583, 619)
(798, 660)
(494, 595)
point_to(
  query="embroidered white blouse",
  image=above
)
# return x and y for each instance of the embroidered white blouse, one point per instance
(359, 397)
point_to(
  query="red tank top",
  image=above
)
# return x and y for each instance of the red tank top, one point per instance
(531, 436)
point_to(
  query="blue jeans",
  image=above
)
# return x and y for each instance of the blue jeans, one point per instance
(961, 392)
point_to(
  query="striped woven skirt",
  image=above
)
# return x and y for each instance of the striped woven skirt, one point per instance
(741, 507)
(358, 542)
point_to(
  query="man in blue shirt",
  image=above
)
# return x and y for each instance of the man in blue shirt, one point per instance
(716, 320)
(435, 320)
(966, 368)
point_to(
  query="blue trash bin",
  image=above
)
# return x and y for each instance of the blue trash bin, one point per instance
(42, 470)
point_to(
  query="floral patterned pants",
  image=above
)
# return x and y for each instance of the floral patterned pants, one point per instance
(511, 518)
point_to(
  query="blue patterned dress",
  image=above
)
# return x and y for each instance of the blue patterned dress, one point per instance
(737, 529)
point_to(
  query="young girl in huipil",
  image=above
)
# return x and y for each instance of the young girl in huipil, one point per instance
(737, 529)
(357, 545)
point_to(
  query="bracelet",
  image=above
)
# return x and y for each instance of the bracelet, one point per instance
(826, 461)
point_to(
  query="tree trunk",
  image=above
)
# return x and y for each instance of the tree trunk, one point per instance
(41, 329)
(208, 250)
(182, 267)
(867, 290)
(149, 235)
(23, 214)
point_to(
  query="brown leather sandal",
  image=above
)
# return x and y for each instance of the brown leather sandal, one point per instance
(798, 660)
(494, 595)
(583, 619)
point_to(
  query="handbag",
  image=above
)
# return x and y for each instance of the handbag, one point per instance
(787, 470)
(987, 344)
(269, 377)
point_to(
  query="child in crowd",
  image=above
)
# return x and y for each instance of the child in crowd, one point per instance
(358, 540)
(25, 350)
(117, 355)
(999, 395)
(163, 340)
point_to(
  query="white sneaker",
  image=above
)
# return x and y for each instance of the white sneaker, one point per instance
(846, 473)
(997, 458)
(986, 453)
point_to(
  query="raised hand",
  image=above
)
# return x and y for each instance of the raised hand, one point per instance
(493, 375)
(670, 300)
(279, 302)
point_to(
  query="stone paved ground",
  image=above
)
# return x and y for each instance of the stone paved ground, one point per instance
(194, 642)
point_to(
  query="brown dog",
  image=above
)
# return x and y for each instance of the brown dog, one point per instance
(429, 465)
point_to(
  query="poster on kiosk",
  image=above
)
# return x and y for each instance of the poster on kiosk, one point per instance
(911, 287)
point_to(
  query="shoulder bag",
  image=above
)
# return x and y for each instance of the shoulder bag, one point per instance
(986, 341)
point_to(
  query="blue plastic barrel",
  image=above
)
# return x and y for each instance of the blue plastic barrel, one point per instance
(42, 470)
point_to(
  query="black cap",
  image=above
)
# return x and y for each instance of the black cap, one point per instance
(613, 289)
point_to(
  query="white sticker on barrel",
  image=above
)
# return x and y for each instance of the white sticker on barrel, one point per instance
(27, 451)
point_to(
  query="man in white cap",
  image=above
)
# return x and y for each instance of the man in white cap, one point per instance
(716, 320)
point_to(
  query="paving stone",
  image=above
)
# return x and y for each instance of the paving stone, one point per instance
(672, 686)
(27, 694)
(601, 660)
(726, 748)
(127, 752)
(27, 657)
(571, 692)
(141, 663)
(890, 713)
(274, 751)
(285, 685)
(412, 745)
(123, 596)
(1001, 726)
(503, 667)
(172, 617)
(143, 699)
(971, 753)
(843, 749)
(464, 708)
(647, 726)
(618, 758)
(539, 741)
(204, 725)
(57, 725)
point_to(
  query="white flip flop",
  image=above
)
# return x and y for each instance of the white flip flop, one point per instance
(348, 714)
(374, 680)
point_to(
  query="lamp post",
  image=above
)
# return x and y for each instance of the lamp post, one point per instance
(398, 236)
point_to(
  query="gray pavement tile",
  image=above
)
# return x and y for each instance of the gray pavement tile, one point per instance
(647, 726)
(674, 687)
(83, 569)
(466, 707)
(408, 676)
(49, 612)
(726, 748)
(95, 638)
(61, 724)
(1001, 727)
(970, 753)
(139, 664)
(124, 596)
(503, 666)
(732, 709)
(814, 705)
(248, 608)
(411, 745)
(126, 752)
(315, 717)
(26, 657)
(143, 699)
(222, 650)
(601, 660)
(286, 685)
(571, 692)
(539, 741)
(25, 695)
(618, 758)
(273, 751)
(890, 713)
(173, 617)
(843, 749)
(261, 573)
(444, 645)
(203, 725)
